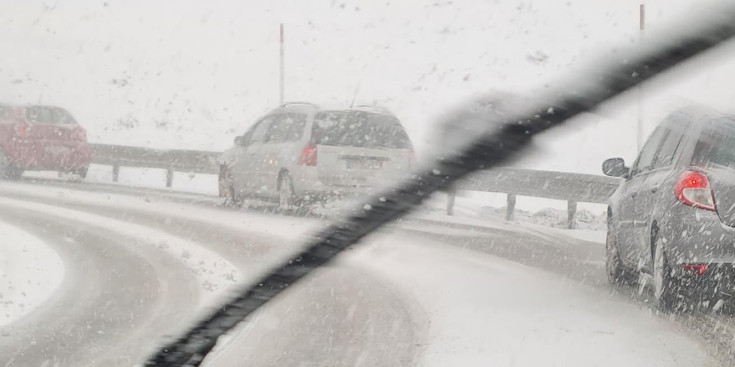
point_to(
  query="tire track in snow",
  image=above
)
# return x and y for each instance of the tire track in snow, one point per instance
(338, 314)
(118, 293)
(213, 272)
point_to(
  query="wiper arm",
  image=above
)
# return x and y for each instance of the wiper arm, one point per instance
(514, 132)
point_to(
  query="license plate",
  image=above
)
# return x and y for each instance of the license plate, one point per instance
(56, 150)
(364, 164)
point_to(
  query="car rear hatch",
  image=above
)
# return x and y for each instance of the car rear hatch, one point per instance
(52, 125)
(715, 151)
(54, 135)
(360, 149)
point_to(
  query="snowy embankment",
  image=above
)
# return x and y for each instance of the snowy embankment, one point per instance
(484, 210)
(30, 272)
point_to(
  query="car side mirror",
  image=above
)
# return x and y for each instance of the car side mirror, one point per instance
(615, 167)
(238, 140)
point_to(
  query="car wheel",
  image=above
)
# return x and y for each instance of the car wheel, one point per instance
(616, 272)
(665, 285)
(228, 188)
(286, 195)
(14, 173)
(5, 168)
(81, 172)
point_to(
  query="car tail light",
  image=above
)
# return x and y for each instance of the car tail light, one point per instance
(80, 134)
(698, 269)
(692, 188)
(21, 129)
(309, 155)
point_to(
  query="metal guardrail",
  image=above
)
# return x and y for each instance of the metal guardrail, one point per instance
(117, 156)
(572, 187)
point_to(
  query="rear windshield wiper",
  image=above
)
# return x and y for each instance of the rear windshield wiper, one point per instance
(509, 129)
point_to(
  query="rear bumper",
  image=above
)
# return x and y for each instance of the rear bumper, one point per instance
(57, 156)
(718, 282)
(697, 236)
(307, 183)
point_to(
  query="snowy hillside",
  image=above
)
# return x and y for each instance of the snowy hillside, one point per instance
(202, 72)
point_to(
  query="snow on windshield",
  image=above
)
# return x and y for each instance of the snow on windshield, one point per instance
(158, 157)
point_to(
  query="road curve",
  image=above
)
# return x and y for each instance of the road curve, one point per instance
(352, 313)
(122, 294)
(109, 290)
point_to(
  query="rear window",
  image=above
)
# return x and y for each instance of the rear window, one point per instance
(49, 115)
(41, 115)
(716, 146)
(359, 129)
(64, 118)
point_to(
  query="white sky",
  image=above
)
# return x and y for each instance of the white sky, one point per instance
(211, 68)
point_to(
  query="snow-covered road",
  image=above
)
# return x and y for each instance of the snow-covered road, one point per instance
(139, 263)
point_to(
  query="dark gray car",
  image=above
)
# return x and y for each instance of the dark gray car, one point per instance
(673, 218)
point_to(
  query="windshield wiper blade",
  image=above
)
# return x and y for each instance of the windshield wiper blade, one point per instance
(514, 133)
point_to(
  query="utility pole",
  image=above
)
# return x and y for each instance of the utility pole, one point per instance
(282, 66)
(642, 27)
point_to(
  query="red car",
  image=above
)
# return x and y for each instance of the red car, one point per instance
(42, 138)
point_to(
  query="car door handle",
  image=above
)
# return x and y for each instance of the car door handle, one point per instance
(654, 189)
(634, 194)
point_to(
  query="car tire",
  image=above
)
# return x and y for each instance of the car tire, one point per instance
(5, 168)
(666, 287)
(81, 172)
(286, 196)
(232, 198)
(617, 274)
(14, 173)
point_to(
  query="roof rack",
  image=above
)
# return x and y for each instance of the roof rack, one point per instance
(286, 104)
(378, 109)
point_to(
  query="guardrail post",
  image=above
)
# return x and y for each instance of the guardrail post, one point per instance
(571, 214)
(510, 206)
(115, 172)
(169, 177)
(451, 195)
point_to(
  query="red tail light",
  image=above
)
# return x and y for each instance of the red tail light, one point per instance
(693, 189)
(411, 157)
(698, 269)
(21, 129)
(80, 134)
(308, 155)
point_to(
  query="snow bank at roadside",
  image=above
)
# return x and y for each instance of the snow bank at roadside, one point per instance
(551, 217)
(30, 272)
(477, 208)
(141, 177)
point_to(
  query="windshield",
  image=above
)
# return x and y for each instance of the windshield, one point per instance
(367, 183)
(359, 129)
